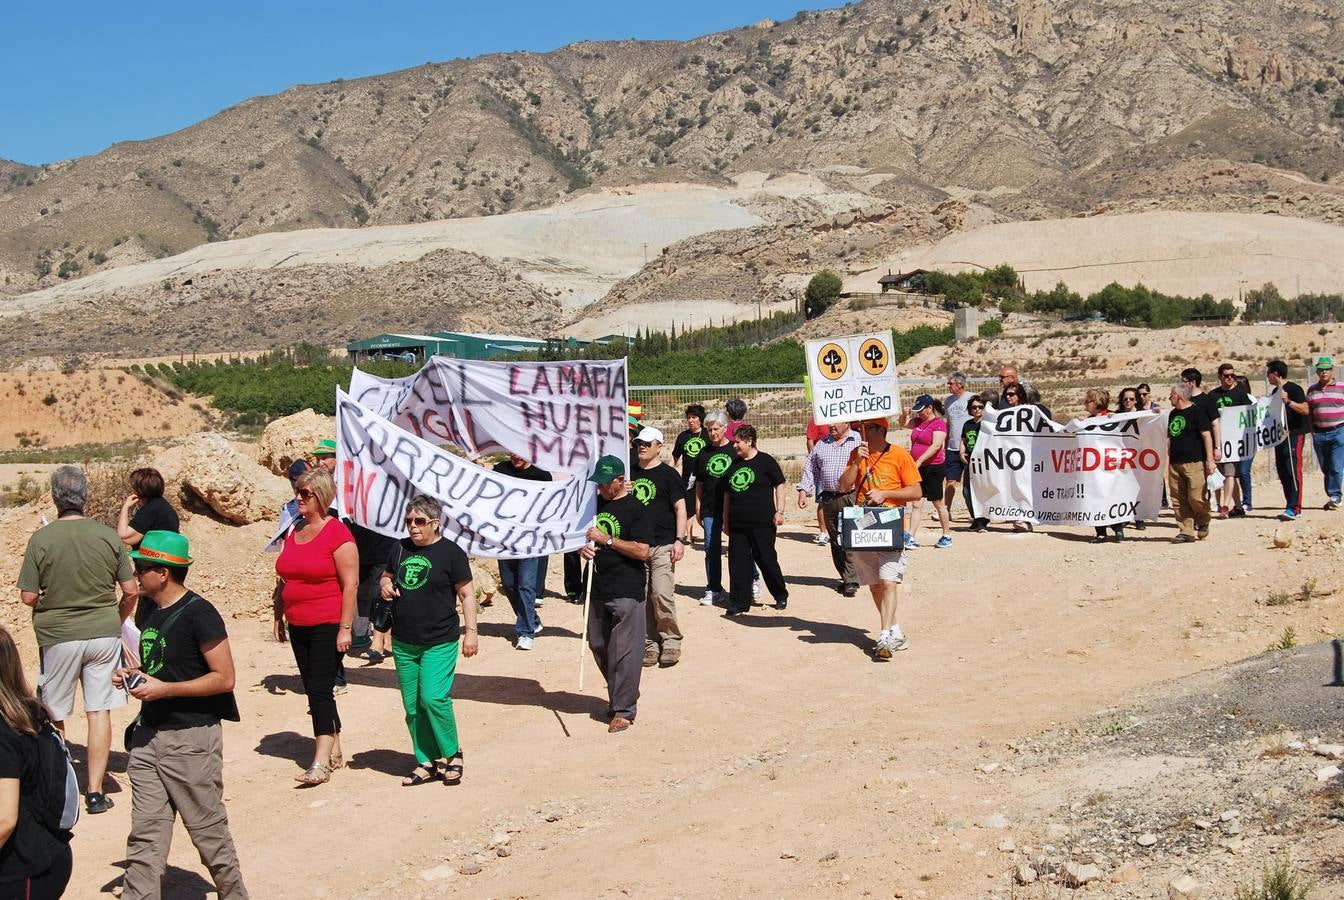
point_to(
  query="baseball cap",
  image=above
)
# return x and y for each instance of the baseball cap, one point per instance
(163, 548)
(649, 434)
(297, 468)
(607, 469)
(1325, 362)
(923, 401)
(325, 447)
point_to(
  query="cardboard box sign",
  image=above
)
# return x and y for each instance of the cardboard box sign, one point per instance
(872, 528)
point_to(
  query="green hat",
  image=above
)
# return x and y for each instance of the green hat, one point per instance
(164, 548)
(1325, 362)
(607, 469)
(325, 448)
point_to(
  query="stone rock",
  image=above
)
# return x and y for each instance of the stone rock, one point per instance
(1228, 815)
(471, 869)
(293, 437)
(1025, 874)
(998, 820)
(438, 873)
(1283, 537)
(208, 468)
(1331, 751)
(1327, 773)
(1146, 840)
(500, 839)
(1184, 888)
(503, 850)
(1203, 824)
(1076, 875)
(1126, 874)
(1007, 845)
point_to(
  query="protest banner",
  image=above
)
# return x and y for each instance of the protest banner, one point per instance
(1099, 471)
(1248, 429)
(852, 378)
(560, 416)
(380, 467)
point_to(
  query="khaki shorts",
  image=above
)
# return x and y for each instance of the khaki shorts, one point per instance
(872, 566)
(89, 663)
(1228, 469)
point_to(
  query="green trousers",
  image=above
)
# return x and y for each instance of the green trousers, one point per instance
(425, 673)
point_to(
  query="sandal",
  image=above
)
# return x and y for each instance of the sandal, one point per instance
(452, 773)
(337, 761)
(421, 775)
(314, 774)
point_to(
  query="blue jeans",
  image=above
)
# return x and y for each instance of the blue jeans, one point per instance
(1330, 457)
(1244, 479)
(518, 579)
(713, 554)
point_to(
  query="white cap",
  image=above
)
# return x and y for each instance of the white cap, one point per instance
(649, 435)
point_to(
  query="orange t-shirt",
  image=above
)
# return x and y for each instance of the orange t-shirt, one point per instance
(892, 468)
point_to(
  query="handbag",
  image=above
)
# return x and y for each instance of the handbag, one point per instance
(381, 615)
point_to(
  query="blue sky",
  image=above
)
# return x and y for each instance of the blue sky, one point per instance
(97, 73)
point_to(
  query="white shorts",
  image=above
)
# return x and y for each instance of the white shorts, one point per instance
(89, 663)
(872, 566)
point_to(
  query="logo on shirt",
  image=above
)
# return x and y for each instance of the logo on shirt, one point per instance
(718, 464)
(644, 490)
(742, 478)
(413, 573)
(1224, 401)
(153, 650)
(609, 525)
(971, 437)
(693, 446)
(1176, 425)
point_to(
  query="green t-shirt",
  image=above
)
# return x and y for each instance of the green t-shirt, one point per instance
(75, 566)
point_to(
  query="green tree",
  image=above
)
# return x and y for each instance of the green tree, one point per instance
(821, 292)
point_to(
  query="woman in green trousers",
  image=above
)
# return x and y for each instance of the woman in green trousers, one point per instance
(426, 577)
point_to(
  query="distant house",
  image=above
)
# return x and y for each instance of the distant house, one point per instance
(911, 282)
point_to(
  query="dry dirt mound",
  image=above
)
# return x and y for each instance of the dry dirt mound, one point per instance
(293, 437)
(48, 409)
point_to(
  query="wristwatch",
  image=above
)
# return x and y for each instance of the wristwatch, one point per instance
(611, 541)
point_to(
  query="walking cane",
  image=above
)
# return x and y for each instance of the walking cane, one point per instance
(583, 636)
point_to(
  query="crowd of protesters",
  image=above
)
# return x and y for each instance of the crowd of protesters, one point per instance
(112, 612)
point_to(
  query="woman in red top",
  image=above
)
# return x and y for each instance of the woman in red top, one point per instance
(319, 566)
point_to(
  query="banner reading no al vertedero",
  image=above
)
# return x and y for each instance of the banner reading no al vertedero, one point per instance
(560, 416)
(380, 467)
(1099, 471)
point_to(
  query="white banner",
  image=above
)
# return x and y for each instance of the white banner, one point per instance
(560, 416)
(1248, 429)
(1099, 471)
(852, 378)
(380, 467)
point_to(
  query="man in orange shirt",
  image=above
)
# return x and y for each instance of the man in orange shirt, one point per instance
(883, 475)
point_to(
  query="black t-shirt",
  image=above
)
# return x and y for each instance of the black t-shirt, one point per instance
(709, 471)
(425, 612)
(750, 486)
(1297, 422)
(659, 489)
(1184, 427)
(531, 473)
(617, 575)
(31, 849)
(970, 433)
(171, 649)
(1224, 397)
(155, 514)
(688, 447)
(1205, 402)
(373, 549)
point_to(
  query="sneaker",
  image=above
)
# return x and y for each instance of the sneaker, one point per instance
(1331, 504)
(881, 651)
(755, 587)
(669, 657)
(524, 642)
(650, 656)
(1287, 515)
(822, 539)
(1246, 506)
(95, 803)
(539, 602)
(943, 542)
(910, 543)
(709, 598)
(898, 642)
(338, 689)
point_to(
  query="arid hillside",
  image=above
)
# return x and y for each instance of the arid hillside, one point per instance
(1032, 108)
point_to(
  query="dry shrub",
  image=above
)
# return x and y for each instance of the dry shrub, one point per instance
(109, 483)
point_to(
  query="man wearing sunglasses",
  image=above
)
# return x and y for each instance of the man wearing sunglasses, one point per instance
(659, 487)
(1225, 396)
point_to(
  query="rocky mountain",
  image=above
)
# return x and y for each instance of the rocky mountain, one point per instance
(1029, 107)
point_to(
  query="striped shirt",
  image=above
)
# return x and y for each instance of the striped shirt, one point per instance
(826, 463)
(1327, 405)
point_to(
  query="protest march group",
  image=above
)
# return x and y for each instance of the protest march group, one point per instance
(519, 462)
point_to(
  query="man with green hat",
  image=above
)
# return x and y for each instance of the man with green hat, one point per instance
(325, 454)
(619, 546)
(176, 748)
(1326, 399)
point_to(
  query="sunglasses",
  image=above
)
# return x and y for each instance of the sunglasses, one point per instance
(303, 494)
(1129, 400)
(975, 406)
(1011, 394)
(416, 521)
(640, 445)
(141, 568)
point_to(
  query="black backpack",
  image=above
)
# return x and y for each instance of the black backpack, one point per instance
(55, 791)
